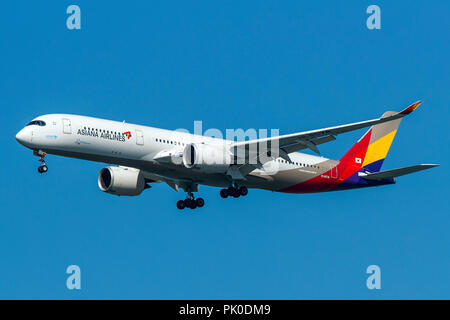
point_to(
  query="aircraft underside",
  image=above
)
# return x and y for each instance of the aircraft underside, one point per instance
(295, 180)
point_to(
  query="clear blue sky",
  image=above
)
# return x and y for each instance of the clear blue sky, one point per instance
(293, 65)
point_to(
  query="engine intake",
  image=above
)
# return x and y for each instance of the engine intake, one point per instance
(121, 181)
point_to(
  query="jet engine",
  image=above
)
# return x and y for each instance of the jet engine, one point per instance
(206, 158)
(121, 181)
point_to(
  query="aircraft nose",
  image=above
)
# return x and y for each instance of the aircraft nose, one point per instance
(21, 137)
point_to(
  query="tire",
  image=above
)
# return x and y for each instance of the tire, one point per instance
(200, 202)
(224, 193)
(193, 204)
(243, 191)
(180, 204)
(42, 169)
(231, 191)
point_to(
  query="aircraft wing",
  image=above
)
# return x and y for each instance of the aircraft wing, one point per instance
(307, 139)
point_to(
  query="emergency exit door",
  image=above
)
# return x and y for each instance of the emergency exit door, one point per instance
(334, 172)
(67, 127)
(139, 138)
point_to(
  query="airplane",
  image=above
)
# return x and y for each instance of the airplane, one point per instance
(139, 156)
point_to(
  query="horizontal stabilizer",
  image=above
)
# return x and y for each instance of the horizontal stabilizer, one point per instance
(395, 172)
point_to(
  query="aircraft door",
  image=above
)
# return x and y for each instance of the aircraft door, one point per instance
(67, 127)
(139, 138)
(334, 172)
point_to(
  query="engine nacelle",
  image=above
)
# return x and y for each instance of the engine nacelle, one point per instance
(206, 158)
(121, 181)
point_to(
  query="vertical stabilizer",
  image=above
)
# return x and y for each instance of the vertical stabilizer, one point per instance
(371, 150)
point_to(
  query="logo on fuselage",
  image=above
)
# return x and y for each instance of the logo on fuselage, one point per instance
(128, 134)
(104, 134)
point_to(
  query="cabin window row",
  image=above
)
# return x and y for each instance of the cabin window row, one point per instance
(299, 164)
(170, 142)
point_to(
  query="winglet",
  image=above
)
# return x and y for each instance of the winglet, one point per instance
(411, 108)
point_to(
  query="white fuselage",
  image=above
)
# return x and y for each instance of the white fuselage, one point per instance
(138, 146)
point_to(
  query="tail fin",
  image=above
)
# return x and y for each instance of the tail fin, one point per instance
(371, 150)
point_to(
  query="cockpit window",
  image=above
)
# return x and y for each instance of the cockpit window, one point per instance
(36, 123)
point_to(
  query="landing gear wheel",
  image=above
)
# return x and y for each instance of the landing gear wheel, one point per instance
(187, 202)
(42, 169)
(180, 204)
(192, 204)
(232, 191)
(41, 154)
(243, 191)
(200, 202)
(224, 193)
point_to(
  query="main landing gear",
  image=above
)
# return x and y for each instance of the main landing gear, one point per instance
(43, 167)
(190, 202)
(235, 192)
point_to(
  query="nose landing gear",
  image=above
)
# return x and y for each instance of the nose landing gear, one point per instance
(235, 192)
(190, 202)
(43, 167)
